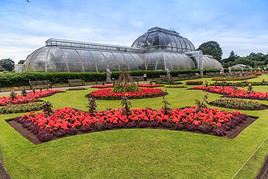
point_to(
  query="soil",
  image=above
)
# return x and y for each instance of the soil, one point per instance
(239, 128)
(3, 173)
(31, 137)
(263, 174)
(24, 132)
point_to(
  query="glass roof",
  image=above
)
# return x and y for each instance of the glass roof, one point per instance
(157, 49)
(156, 39)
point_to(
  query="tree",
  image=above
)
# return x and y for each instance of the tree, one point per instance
(253, 59)
(8, 64)
(21, 62)
(232, 56)
(228, 61)
(211, 48)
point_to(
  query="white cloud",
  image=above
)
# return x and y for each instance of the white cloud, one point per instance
(25, 27)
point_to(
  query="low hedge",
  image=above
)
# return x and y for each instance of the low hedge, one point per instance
(240, 104)
(234, 78)
(239, 84)
(194, 82)
(21, 79)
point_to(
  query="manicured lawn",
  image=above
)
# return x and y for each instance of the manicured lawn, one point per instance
(136, 153)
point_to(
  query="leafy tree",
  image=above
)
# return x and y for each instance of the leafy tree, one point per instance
(21, 62)
(253, 59)
(211, 48)
(92, 105)
(47, 108)
(232, 56)
(166, 107)
(8, 64)
(126, 105)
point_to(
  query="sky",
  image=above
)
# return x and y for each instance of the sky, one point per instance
(239, 25)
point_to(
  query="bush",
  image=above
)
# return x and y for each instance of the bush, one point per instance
(125, 88)
(194, 82)
(238, 104)
(19, 108)
(239, 84)
(22, 79)
(234, 78)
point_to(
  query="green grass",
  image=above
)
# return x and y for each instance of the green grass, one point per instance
(136, 153)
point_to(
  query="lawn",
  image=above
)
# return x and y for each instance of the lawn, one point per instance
(136, 153)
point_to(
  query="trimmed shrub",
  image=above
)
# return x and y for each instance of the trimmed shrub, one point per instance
(22, 79)
(194, 82)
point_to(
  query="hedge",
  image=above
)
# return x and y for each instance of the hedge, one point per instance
(22, 79)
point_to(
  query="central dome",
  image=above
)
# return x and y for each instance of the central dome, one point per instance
(157, 38)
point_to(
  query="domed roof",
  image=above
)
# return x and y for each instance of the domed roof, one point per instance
(162, 39)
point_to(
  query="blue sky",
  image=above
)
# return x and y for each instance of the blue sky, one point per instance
(239, 25)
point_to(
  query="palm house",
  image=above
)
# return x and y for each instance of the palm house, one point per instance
(157, 49)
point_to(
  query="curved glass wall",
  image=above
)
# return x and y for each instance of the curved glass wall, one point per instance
(157, 49)
(168, 60)
(56, 59)
(210, 63)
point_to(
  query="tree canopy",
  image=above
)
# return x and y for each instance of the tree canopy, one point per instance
(7, 64)
(211, 48)
(21, 62)
(253, 59)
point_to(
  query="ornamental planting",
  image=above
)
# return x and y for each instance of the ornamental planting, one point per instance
(69, 121)
(30, 97)
(139, 85)
(109, 93)
(233, 92)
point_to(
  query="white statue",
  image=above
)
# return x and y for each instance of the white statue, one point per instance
(168, 74)
(108, 75)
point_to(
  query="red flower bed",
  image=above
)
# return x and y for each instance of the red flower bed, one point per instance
(150, 85)
(68, 121)
(140, 85)
(141, 93)
(31, 97)
(102, 86)
(234, 93)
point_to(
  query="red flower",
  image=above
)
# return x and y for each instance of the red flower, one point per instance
(235, 93)
(143, 92)
(69, 119)
(31, 97)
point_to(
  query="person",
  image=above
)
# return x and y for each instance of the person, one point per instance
(145, 77)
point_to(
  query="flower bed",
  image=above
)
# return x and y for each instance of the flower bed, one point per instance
(175, 86)
(240, 84)
(141, 93)
(30, 97)
(234, 78)
(238, 104)
(194, 82)
(149, 85)
(19, 108)
(140, 85)
(102, 86)
(166, 82)
(232, 92)
(68, 121)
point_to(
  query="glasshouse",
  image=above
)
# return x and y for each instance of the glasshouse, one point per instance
(157, 49)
